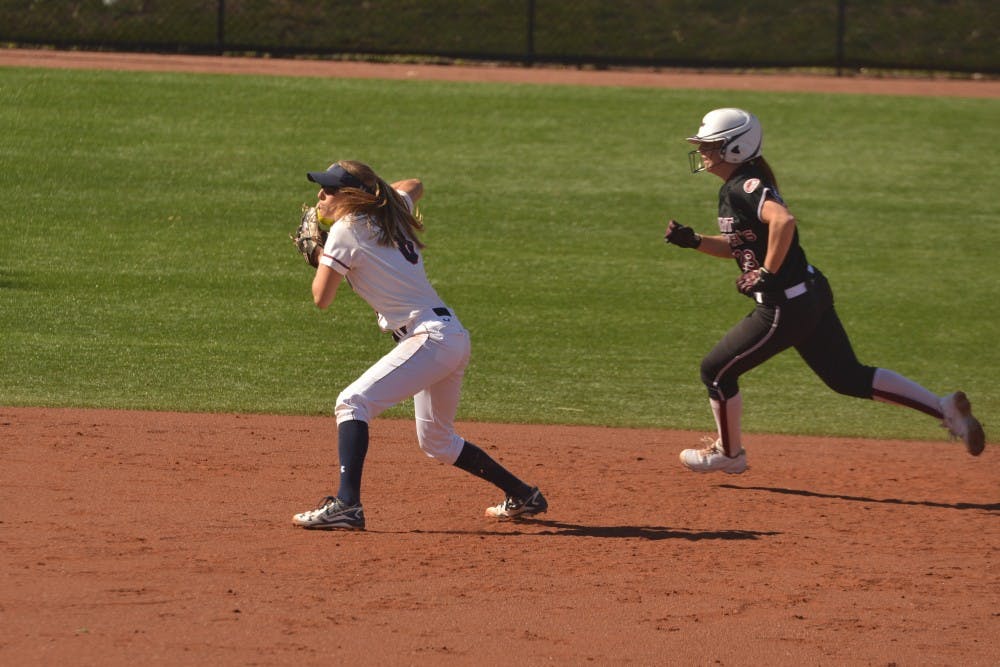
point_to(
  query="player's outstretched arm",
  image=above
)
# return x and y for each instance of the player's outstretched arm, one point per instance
(716, 246)
(683, 236)
(413, 187)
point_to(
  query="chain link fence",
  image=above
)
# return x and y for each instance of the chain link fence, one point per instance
(934, 35)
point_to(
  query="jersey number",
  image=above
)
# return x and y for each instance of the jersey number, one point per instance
(747, 260)
(408, 251)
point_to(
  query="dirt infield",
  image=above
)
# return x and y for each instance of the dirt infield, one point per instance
(165, 539)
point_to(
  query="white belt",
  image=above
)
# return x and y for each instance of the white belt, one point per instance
(402, 331)
(790, 293)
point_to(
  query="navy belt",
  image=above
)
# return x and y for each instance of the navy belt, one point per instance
(401, 331)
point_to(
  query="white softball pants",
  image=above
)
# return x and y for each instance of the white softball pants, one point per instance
(429, 365)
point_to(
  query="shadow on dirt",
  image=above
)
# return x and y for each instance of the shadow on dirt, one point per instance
(640, 532)
(645, 532)
(989, 507)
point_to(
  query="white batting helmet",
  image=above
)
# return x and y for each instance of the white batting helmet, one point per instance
(738, 133)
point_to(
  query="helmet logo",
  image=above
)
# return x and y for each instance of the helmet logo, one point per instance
(750, 185)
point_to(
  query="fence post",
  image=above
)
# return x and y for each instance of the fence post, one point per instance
(220, 27)
(841, 29)
(530, 56)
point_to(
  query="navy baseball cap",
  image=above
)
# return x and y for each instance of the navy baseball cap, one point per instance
(336, 177)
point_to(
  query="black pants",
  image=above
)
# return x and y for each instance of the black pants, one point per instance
(810, 324)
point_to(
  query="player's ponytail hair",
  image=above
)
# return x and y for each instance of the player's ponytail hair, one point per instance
(766, 168)
(384, 209)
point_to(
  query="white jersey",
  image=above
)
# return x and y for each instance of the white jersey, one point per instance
(392, 280)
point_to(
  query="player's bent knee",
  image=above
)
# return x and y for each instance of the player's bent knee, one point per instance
(721, 389)
(708, 374)
(855, 385)
(440, 444)
(351, 406)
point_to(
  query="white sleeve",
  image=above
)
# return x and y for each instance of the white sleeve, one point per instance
(406, 198)
(340, 252)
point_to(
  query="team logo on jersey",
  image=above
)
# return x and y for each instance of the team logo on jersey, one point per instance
(750, 185)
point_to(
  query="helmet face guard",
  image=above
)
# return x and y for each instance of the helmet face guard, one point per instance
(735, 133)
(694, 157)
(695, 161)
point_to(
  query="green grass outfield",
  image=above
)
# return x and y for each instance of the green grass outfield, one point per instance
(146, 264)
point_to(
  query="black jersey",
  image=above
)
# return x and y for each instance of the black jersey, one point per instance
(740, 201)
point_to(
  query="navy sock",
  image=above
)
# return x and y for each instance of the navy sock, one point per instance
(479, 463)
(352, 445)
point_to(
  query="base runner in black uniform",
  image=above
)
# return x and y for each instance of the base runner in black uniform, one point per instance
(793, 301)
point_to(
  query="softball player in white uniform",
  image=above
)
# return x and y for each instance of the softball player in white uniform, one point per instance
(373, 244)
